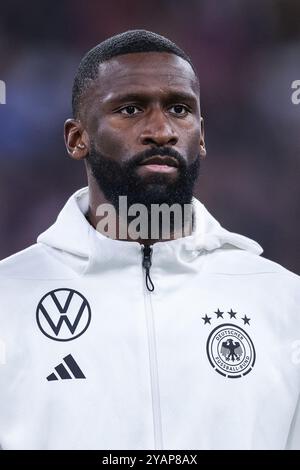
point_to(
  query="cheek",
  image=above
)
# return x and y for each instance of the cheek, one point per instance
(192, 143)
(110, 142)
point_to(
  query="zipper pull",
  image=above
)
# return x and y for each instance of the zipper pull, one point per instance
(147, 253)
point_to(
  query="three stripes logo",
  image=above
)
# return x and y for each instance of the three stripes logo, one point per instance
(64, 370)
(63, 314)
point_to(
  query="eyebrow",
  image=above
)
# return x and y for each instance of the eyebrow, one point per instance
(173, 95)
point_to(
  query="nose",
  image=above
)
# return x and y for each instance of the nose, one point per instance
(158, 130)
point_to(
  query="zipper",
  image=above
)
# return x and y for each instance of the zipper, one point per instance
(147, 255)
(157, 426)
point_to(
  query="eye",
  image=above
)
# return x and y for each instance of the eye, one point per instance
(179, 109)
(129, 110)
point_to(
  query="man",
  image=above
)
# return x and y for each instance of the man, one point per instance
(117, 337)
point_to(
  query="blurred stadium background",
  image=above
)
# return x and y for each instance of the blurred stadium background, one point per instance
(247, 54)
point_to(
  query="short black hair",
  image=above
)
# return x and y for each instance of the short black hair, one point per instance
(137, 40)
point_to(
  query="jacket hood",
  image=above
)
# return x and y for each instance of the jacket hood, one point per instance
(73, 234)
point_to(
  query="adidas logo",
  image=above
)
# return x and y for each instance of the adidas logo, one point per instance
(65, 372)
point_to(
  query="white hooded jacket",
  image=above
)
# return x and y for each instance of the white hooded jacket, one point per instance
(91, 359)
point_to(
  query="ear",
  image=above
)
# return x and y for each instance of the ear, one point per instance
(76, 139)
(202, 141)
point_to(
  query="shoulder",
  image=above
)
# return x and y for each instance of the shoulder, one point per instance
(241, 262)
(37, 262)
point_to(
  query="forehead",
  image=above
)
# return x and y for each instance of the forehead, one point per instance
(156, 71)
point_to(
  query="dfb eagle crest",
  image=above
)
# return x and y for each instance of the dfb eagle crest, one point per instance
(229, 348)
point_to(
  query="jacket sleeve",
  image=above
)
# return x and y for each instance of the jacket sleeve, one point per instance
(293, 442)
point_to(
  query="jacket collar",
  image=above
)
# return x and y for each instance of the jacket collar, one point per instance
(73, 234)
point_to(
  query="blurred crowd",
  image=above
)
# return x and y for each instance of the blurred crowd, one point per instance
(247, 55)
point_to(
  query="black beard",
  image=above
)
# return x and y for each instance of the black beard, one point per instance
(115, 179)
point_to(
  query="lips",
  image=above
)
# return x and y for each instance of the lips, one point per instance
(158, 160)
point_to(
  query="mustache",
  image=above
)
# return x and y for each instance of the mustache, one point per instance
(139, 158)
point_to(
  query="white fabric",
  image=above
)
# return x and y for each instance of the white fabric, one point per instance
(150, 383)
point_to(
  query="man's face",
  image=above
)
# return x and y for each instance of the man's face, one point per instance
(144, 105)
